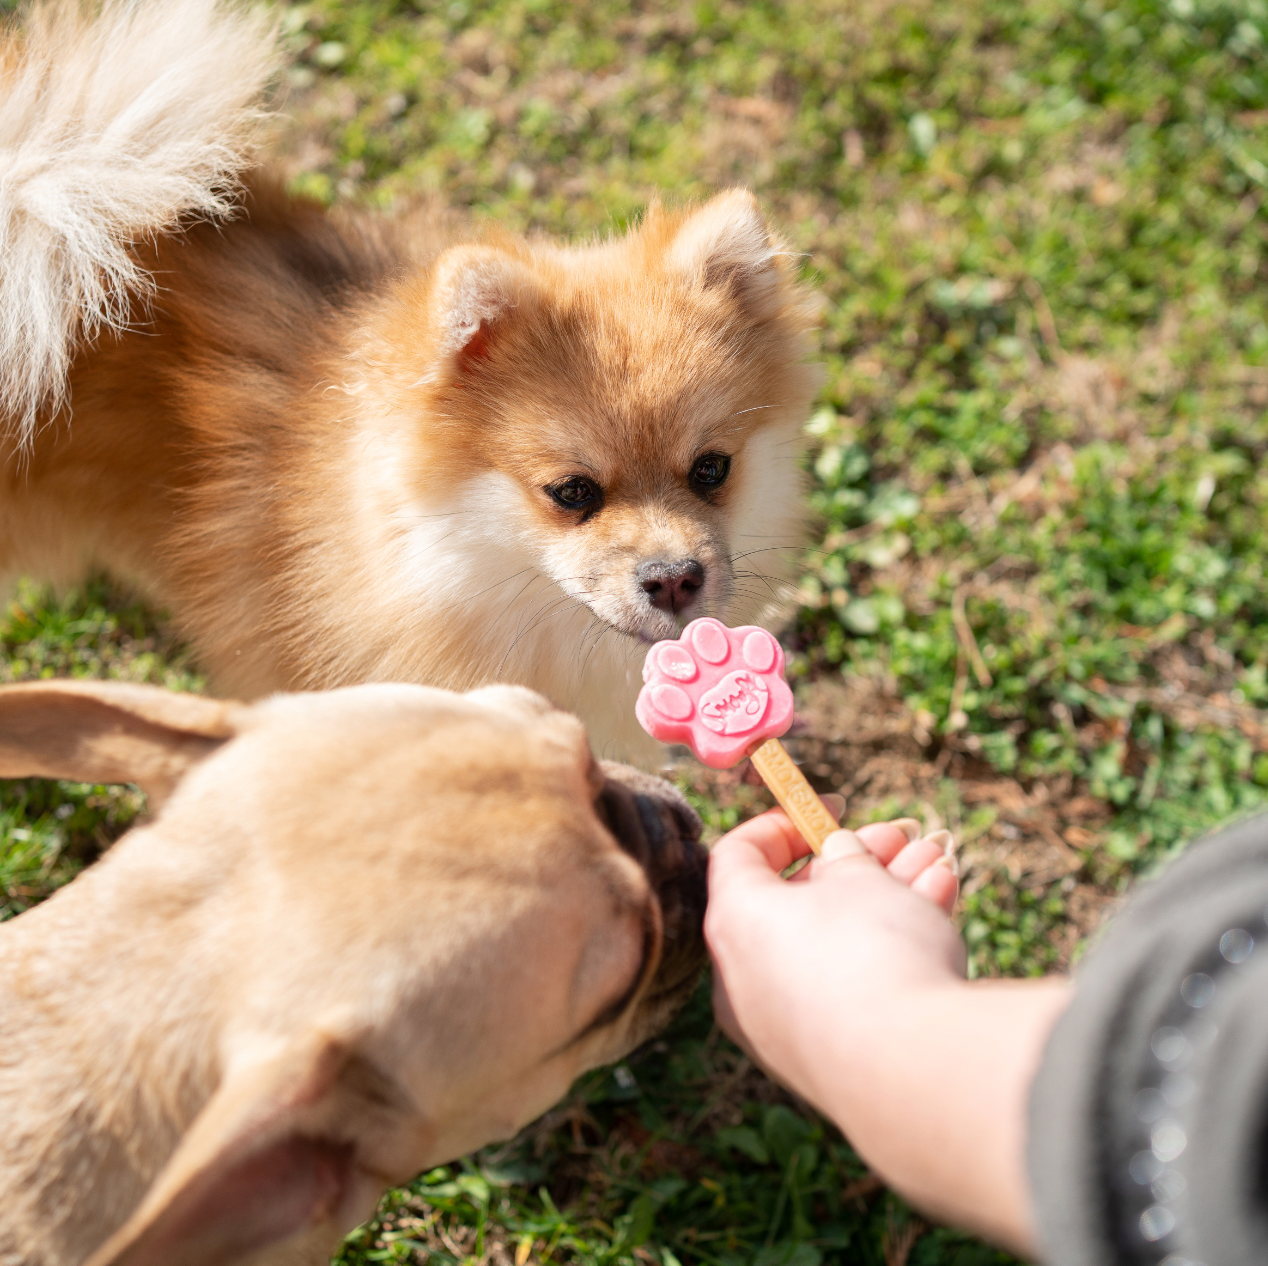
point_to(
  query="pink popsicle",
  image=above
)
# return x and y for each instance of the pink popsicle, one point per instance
(722, 693)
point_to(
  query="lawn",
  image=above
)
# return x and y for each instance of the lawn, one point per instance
(1035, 606)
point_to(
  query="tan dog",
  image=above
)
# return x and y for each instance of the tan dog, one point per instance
(342, 447)
(368, 931)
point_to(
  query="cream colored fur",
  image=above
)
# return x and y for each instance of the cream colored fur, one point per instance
(368, 931)
(115, 122)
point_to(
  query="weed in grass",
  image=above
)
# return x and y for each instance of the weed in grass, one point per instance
(1008, 931)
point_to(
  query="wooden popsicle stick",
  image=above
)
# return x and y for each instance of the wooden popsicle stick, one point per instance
(795, 795)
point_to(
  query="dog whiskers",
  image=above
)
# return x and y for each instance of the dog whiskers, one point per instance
(771, 582)
(562, 602)
(515, 597)
(496, 585)
(604, 628)
(735, 558)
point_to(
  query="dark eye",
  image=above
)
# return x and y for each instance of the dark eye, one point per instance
(575, 493)
(710, 471)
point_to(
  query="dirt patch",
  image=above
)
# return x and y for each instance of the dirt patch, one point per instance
(855, 737)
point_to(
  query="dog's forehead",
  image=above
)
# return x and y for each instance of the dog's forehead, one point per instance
(644, 376)
(487, 732)
(400, 703)
(410, 785)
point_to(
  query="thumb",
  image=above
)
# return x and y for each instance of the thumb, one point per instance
(743, 880)
(842, 843)
(840, 846)
(755, 853)
(744, 860)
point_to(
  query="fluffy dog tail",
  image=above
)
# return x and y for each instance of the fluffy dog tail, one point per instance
(116, 120)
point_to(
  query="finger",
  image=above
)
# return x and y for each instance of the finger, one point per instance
(755, 851)
(937, 883)
(723, 1011)
(918, 856)
(802, 874)
(885, 840)
(841, 846)
(944, 840)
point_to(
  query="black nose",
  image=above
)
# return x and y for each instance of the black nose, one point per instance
(655, 825)
(671, 586)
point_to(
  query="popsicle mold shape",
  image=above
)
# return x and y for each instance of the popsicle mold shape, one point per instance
(722, 693)
(719, 691)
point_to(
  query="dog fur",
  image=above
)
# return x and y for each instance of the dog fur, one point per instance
(367, 931)
(95, 154)
(335, 445)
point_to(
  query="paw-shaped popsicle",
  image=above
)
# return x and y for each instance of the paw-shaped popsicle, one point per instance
(722, 692)
(719, 691)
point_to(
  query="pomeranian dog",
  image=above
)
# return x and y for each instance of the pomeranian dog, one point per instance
(343, 447)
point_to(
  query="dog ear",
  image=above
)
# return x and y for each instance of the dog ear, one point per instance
(260, 1164)
(108, 731)
(727, 244)
(476, 289)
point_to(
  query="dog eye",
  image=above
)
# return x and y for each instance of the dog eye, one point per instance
(575, 493)
(710, 470)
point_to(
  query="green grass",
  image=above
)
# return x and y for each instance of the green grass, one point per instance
(49, 830)
(1038, 463)
(679, 1154)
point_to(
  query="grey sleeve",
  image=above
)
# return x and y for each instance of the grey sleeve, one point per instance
(1148, 1133)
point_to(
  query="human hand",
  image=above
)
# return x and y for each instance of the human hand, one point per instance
(801, 966)
(846, 983)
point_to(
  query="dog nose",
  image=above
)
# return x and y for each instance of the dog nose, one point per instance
(655, 825)
(671, 586)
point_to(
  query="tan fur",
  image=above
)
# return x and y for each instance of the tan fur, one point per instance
(369, 931)
(327, 448)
